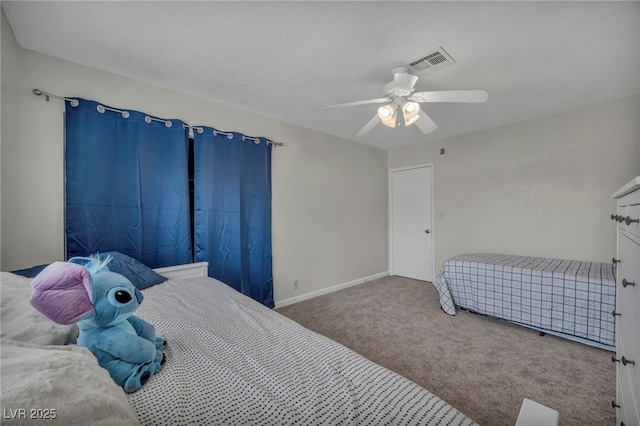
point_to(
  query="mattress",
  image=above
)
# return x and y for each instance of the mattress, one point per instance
(568, 298)
(232, 361)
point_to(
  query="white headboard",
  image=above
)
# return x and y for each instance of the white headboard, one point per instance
(188, 270)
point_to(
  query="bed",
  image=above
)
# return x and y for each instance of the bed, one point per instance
(230, 361)
(568, 298)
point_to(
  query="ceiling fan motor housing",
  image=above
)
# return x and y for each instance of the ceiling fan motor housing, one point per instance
(402, 84)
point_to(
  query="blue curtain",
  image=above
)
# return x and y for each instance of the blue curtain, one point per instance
(232, 186)
(126, 185)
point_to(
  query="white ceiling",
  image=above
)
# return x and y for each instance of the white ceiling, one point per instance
(289, 60)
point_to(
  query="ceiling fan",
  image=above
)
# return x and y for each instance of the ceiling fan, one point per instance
(402, 103)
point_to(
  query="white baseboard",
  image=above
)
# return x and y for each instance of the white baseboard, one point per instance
(311, 295)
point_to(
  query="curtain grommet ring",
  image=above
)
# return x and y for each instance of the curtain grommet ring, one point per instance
(74, 102)
(218, 132)
(200, 130)
(147, 119)
(101, 109)
(168, 123)
(255, 140)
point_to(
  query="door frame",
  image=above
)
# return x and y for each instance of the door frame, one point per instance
(429, 167)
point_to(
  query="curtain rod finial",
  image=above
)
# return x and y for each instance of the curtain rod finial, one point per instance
(39, 92)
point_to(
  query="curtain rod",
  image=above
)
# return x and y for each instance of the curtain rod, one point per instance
(148, 119)
(38, 92)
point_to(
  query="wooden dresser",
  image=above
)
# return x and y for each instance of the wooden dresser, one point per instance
(627, 311)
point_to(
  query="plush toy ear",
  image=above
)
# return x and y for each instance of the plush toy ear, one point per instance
(61, 292)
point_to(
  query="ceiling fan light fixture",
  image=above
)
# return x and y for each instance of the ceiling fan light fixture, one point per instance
(401, 103)
(388, 115)
(410, 112)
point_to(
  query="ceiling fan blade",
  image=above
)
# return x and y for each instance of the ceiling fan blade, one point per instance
(367, 127)
(450, 96)
(425, 123)
(352, 104)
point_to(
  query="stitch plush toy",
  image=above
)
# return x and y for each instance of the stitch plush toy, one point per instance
(102, 303)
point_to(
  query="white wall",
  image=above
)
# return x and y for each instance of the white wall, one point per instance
(538, 188)
(9, 167)
(329, 195)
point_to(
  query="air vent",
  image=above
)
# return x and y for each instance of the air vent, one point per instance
(433, 61)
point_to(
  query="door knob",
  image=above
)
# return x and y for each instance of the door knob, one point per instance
(427, 231)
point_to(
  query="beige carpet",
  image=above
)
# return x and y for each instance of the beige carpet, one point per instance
(483, 367)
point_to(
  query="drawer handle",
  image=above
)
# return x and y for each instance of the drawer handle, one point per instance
(627, 361)
(614, 217)
(614, 405)
(614, 359)
(620, 219)
(629, 221)
(614, 313)
(614, 260)
(626, 283)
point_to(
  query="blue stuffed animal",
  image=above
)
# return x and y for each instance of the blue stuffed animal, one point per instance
(102, 303)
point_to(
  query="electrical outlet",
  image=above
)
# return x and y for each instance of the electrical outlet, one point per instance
(296, 284)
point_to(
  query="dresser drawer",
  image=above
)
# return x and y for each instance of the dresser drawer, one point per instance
(628, 334)
(622, 389)
(633, 213)
(629, 371)
(628, 274)
(627, 397)
(628, 219)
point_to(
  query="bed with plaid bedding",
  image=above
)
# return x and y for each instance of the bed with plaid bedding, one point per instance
(569, 298)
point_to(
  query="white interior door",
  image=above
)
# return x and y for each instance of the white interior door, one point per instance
(411, 222)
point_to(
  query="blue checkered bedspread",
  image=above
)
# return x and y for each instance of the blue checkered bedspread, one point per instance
(566, 297)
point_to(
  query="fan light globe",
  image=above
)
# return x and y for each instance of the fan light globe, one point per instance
(410, 107)
(385, 111)
(387, 115)
(410, 112)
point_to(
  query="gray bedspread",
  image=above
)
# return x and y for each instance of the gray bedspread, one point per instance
(231, 361)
